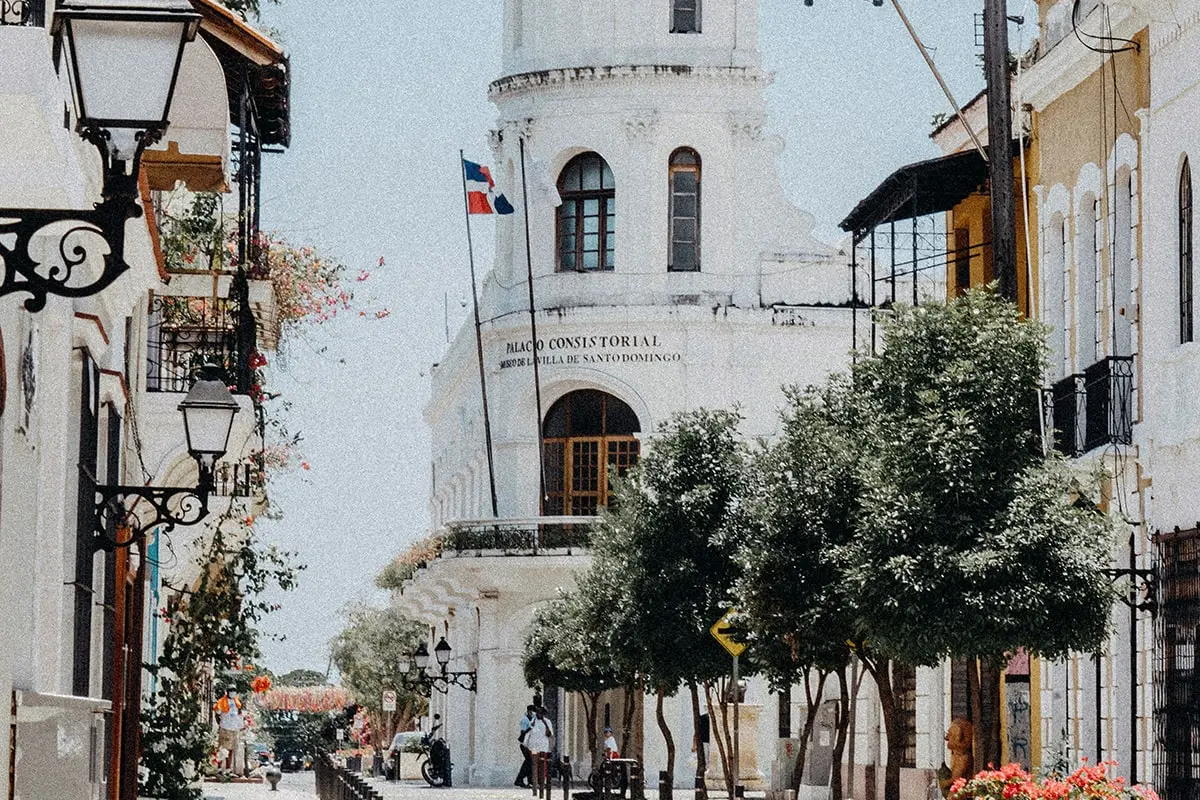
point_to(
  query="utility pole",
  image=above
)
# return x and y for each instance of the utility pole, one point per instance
(1000, 169)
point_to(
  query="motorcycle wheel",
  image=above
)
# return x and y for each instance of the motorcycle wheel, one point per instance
(430, 774)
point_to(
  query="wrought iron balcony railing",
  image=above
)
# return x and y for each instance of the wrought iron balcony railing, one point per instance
(25, 13)
(185, 334)
(1092, 409)
(536, 536)
(237, 480)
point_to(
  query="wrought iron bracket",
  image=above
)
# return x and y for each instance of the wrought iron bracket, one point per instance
(442, 681)
(43, 249)
(1144, 583)
(112, 514)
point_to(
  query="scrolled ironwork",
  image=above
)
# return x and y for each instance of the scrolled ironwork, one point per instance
(441, 681)
(26, 13)
(171, 506)
(28, 269)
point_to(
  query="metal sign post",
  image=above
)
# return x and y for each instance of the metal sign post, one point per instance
(737, 763)
(721, 631)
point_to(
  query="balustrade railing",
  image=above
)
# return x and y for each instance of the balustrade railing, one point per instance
(25, 13)
(237, 480)
(185, 334)
(1093, 408)
(521, 537)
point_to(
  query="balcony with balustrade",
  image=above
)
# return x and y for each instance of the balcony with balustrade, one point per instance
(1092, 409)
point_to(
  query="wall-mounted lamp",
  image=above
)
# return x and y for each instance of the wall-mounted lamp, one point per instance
(208, 411)
(123, 60)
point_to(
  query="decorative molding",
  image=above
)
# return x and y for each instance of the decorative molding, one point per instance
(640, 124)
(558, 78)
(518, 128)
(747, 126)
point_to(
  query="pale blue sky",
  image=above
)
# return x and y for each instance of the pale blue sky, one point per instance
(384, 95)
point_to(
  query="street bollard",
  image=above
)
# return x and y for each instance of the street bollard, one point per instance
(564, 770)
(273, 774)
(665, 785)
(699, 787)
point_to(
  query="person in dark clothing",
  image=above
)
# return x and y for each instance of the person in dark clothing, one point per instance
(526, 774)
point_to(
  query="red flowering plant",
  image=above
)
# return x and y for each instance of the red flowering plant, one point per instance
(1012, 782)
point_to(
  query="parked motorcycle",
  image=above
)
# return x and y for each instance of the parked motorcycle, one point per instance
(436, 766)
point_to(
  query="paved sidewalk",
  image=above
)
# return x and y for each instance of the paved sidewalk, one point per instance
(293, 786)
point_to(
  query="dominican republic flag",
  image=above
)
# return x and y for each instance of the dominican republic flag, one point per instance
(481, 195)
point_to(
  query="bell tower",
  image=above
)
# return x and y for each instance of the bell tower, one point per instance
(548, 34)
(647, 117)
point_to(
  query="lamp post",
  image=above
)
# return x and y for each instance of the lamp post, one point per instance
(443, 678)
(208, 411)
(123, 61)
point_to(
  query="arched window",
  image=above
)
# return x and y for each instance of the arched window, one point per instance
(587, 439)
(1055, 277)
(685, 16)
(1122, 264)
(684, 171)
(587, 218)
(1185, 253)
(1086, 280)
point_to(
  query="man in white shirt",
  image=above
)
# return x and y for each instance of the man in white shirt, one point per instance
(539, 741)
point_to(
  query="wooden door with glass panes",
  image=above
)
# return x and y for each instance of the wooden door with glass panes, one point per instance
(595, 443)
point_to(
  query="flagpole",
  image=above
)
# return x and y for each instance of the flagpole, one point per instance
(537, 380)
(487, 422)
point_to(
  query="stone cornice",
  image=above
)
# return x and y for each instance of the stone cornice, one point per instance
(1167, 33)
(557, 78)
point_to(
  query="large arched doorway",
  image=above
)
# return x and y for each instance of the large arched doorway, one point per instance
(587, 439)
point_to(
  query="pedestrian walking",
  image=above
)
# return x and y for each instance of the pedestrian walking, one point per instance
(229, 727)
(526, 771)
(540, 740)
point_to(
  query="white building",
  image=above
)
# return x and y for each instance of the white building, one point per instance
(86, 394)
(1171, 364)
(675, 274)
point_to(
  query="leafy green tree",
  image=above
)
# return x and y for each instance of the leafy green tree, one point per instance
(302, 677)
(565, 648)
(367, 653)
(675, 574)
(968, 542)
(214, 627)
(796, 510)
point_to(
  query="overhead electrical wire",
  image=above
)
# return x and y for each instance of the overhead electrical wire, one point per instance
(1130, 43)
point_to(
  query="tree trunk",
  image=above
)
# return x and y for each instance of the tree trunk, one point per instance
(701, 760)
(666, 732)
(881, 673)
(839, 742)
(627, 714)
(590, 714)
(723, 737)
(978, 736)
(812, 706)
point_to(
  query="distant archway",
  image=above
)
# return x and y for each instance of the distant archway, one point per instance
(588, 438)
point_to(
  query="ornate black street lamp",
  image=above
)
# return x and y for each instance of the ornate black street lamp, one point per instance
(208, 411)
(123, 60)
(441, 680)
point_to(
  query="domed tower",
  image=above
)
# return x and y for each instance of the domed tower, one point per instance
(648, 119)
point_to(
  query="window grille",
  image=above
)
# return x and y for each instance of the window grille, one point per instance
(685, 16)
(684, 174)
(587, 218)
(1185, 253)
